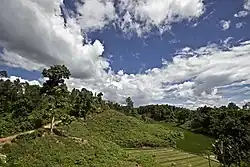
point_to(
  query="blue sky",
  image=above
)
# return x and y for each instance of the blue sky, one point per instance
(133, 54)
(180, 52)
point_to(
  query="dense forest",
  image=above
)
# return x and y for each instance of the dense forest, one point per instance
(25, 107)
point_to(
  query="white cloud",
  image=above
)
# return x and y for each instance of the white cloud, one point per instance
(137, 16)
(95, 14)
(143, 15)
(247, 4)
(13, 78)
(239, 25)
(245, 12)
(225, 24)
(33, 31)
(200, 78)
(242, 13)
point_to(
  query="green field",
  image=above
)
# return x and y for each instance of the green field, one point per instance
(171, 157)
(192, 142)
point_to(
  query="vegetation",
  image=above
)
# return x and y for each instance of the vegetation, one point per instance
(192, 142)
(96, 141)
(230, 125)
(171, 157)
(86, 116)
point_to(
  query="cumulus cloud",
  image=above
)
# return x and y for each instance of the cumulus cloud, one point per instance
(245, 12)
(143, 15)
(95, 14)
(137, 16)
(225, 24)
(30, 82)
(192, 79)
(247, 4)
(242, 13)
(35, 37)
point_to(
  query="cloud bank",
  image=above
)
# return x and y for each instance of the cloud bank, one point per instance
(37, 36)
(137, 17)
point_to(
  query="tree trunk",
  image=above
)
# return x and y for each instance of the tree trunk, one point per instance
(52, 124)
(209, 161)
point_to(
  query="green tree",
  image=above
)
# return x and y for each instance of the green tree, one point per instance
(232, 106)
(3, 74)
(130, 106)
(55, 90)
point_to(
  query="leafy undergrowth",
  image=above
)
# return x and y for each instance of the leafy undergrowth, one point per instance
(96, 142)
(51, 150)
(192, 142)
(172, 157)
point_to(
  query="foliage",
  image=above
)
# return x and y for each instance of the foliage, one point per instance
(25, 107)
(192, 142)
(95, 141)
(128, 131)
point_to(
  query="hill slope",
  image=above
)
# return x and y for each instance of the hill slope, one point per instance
(97, 141)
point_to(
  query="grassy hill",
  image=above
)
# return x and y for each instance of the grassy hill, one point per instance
(99, 141)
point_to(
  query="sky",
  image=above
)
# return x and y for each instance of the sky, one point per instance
(187, 53)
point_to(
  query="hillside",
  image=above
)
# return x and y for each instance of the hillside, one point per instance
(98, 141)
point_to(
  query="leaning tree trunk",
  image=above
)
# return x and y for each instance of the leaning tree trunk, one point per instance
(209, 160)
(52, 124)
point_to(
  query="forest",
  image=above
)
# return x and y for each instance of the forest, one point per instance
(26, 107)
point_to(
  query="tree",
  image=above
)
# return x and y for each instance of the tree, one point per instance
(232, 106)
(129, 102)
(130, 105)
(55, 90)
(246, 106)
(3, 74)
(233, 145)
(222, 149)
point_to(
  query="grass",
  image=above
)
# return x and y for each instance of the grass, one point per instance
(95, 142)
(128, 131)
(192, 142)
(172, 157)
(102, 141)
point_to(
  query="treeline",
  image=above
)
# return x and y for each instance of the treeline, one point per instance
(25, 107)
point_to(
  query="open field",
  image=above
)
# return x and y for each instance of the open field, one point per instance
(192, 142)
(172, 157)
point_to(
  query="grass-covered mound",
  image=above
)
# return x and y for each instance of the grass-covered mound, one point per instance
(126, 131)
(97, 141)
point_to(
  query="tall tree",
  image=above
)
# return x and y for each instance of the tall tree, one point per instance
(129, 102)
(130, 106)
(55, 89)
